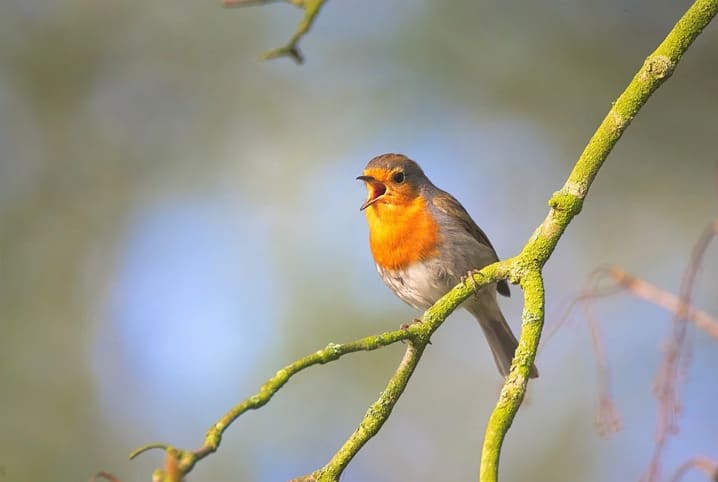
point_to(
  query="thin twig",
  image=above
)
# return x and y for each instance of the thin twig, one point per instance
(247, 3)
(333, 351)
(668, 301)
(607, 418)
(291, 48)
(704, 464)
(330, 353)
(668, 378)
(104, 475)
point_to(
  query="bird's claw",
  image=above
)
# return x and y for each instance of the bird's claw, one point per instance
(470, 278)
(405, 326)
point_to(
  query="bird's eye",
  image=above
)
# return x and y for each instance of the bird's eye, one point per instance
(398, 177)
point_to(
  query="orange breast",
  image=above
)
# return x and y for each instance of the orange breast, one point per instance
(400, 235)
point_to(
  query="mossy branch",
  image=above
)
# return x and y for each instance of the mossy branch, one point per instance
(374, 419)
(565, 205)
(417, 334)
(524, 269)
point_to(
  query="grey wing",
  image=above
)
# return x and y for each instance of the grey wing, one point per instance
(448, 204)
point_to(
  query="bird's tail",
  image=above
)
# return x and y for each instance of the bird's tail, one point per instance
(498, 333)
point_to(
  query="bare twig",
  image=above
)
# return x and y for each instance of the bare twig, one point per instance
(668, 377)
(624, 281)
(607, 417)
(704, 464)
(665, 300)
(104, 475)
(248, 3)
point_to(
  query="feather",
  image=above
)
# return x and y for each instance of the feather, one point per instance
(448, 204)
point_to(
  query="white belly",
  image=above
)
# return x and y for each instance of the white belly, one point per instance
(420, 284)
(424, 282)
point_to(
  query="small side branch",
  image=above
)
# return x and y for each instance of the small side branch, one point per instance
(669, 373)
(708, 466)
(330, 353)
(607, 418)
(104, 475)
(186, 459)
(668, 301)
(290, 49)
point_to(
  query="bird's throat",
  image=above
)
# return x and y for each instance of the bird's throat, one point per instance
(402, 234)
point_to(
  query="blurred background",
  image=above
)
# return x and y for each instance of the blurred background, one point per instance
(178, 220)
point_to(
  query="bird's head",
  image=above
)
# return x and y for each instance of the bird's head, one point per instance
(392, 180)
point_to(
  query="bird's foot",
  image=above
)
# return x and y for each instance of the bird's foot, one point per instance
(405, 326)
(470, 278)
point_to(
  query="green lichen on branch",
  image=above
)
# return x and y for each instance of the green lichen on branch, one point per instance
(565, 205)
(331, 352)
(418, 335)
(373, 420)
(420, 332)
(514, 388)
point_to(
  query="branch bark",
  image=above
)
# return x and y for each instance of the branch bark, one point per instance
(566, 204)
(374, 419)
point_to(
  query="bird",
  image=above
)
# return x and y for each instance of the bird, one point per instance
(424, 243)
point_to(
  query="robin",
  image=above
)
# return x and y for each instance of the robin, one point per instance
(424, 242)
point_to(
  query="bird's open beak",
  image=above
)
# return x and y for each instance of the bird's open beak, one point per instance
(375, 188)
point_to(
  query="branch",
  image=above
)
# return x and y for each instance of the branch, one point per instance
(418, 334)
(704, 464)
(514, 389)
(188, 458)
(664, 299)
(668, 377)
(375, 417)
(104, 475)
(290, 49)
(607, 418)
(566, 204)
